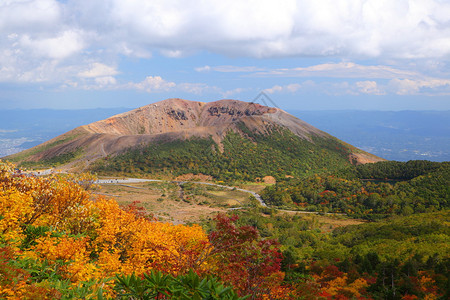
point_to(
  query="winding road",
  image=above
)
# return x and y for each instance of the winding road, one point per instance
(257, 196)
(138, 180)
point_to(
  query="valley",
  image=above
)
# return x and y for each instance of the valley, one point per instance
(224, 150)
(240, 191)
(175, 201)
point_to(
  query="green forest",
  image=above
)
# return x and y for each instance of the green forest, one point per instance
(368, 191)
(60, 241)
(397, 258)
(245, 157)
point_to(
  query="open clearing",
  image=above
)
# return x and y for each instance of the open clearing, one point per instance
(192, 203)
(177, 203)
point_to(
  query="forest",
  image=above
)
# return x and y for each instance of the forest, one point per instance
(279, 153)
(60, 240)
(398, 258)
(369, 191)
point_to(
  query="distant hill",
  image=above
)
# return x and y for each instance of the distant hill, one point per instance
(394, 135)
(227, 139)
(21, 129)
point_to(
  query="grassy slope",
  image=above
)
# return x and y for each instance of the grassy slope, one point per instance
(277, 154)
(26, 158)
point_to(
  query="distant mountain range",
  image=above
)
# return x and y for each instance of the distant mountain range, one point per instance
(402, 135)
(227, 139)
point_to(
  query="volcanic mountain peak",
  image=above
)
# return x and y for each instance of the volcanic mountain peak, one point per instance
(179, 120)
(174, 115)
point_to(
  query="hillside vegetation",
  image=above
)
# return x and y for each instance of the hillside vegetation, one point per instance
(229, 139)
(368, 191)
(278, 153)
(398, 258)
(60, 241)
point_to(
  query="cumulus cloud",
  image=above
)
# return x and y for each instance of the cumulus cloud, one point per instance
(36, 40)
(29, 15)
(60, 46)
(266, 28)
(57, 41)
(411, 87)
(369, 87)
(156, 84)
(291, 88)
(98, 70)
(105, 81)
(258, 28)
(152, 84)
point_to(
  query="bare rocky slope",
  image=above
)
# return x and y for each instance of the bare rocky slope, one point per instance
(170, 120)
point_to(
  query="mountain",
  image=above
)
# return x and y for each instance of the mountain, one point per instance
(394, 135)
(218, 138)
(22, 129)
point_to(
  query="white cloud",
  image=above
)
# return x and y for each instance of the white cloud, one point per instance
(329, 88)
(274, 89)
(152, 84)
(341, 70)
(426, 86)
(197, 88)
(414, 87)
(229, 69)
(290, 88)
(265, 28)
(60, 46)
(57, 41)
(156, 84)
(235, 91)
(98, 70)
(323, 27)
(29, 15)
(369, 87)
(203, 69)
(105, 81)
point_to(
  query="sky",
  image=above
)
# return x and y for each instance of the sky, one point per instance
(304, 55)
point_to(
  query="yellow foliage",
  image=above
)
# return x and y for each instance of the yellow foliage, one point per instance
(356, 287)
(91, 237)
(340, 285)
(142, 245)
(14, 208)
(335, 285)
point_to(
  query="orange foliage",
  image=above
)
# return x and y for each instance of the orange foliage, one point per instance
(98, 239)
(336, 284)
(56, 221)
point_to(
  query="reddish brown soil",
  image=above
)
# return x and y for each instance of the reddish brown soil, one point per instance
(169, 120)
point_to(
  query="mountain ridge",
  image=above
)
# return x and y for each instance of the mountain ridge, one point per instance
(171, 120)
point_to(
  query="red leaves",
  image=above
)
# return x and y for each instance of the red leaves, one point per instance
(243, 258)
(138, 211)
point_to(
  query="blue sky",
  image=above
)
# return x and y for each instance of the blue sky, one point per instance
(305, 55)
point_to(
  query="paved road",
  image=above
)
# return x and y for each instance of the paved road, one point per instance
(137, 180)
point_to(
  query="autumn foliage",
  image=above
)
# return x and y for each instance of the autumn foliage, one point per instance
(57, 238)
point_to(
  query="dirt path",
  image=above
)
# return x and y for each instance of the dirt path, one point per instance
(179, 183)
